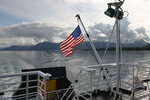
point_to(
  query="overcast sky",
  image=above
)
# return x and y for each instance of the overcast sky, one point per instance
(27, 22)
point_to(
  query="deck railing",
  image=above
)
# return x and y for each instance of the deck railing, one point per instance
(9, 86)
(103, 78)
(89, 79)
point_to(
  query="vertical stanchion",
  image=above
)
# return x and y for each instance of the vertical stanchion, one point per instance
(45, 89)
(91, 86)
(133, 83)
(38, 84)
(27, 86)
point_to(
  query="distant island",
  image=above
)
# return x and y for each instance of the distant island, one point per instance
(137, 45)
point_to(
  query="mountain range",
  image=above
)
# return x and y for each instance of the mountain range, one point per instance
(83, 46)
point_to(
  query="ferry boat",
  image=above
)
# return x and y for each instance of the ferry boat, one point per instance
(112, 81)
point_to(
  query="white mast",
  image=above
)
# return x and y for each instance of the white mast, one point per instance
(118, 15)
(117, 53)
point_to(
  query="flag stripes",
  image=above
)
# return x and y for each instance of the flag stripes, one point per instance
(71, 41)
(79, 40)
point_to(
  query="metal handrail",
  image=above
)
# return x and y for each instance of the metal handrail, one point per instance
(27, 94)
(45, 76)
(18, 82)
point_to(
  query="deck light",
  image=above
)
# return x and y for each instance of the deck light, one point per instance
(120, 14)
(113, 13)
(110, 12)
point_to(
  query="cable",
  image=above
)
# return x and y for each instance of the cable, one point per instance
(127, 14)
(108, 42)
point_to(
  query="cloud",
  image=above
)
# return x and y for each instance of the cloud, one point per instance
(36, 20)
(100, 28)
(142, 33)
(36, 32)
(130, 34)
(102, 31)
(30, 33)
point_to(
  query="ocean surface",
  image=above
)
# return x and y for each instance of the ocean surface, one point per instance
(15, 61)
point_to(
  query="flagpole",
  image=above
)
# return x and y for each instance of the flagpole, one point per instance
(91, 43)
(97, 56)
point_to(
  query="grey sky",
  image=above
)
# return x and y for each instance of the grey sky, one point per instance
(26, 22)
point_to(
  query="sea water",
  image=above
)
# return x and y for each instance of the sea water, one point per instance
(15, 61)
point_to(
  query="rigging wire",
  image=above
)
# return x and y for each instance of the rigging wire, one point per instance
(127, 14)
(108, 42)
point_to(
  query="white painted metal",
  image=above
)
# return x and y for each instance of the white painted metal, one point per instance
(27, 94)
(87, 80)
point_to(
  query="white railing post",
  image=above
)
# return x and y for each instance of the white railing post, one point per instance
(26, 94)
(133, 82)
(91, 86)
(27, 86)
(45, 96)
(38, 84)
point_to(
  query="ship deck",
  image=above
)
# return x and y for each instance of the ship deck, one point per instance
(138, 95)
(86, 83)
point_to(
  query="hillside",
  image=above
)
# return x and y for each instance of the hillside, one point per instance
(137, 45)
(45, 46)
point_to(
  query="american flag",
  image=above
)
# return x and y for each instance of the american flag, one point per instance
(71, 41)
